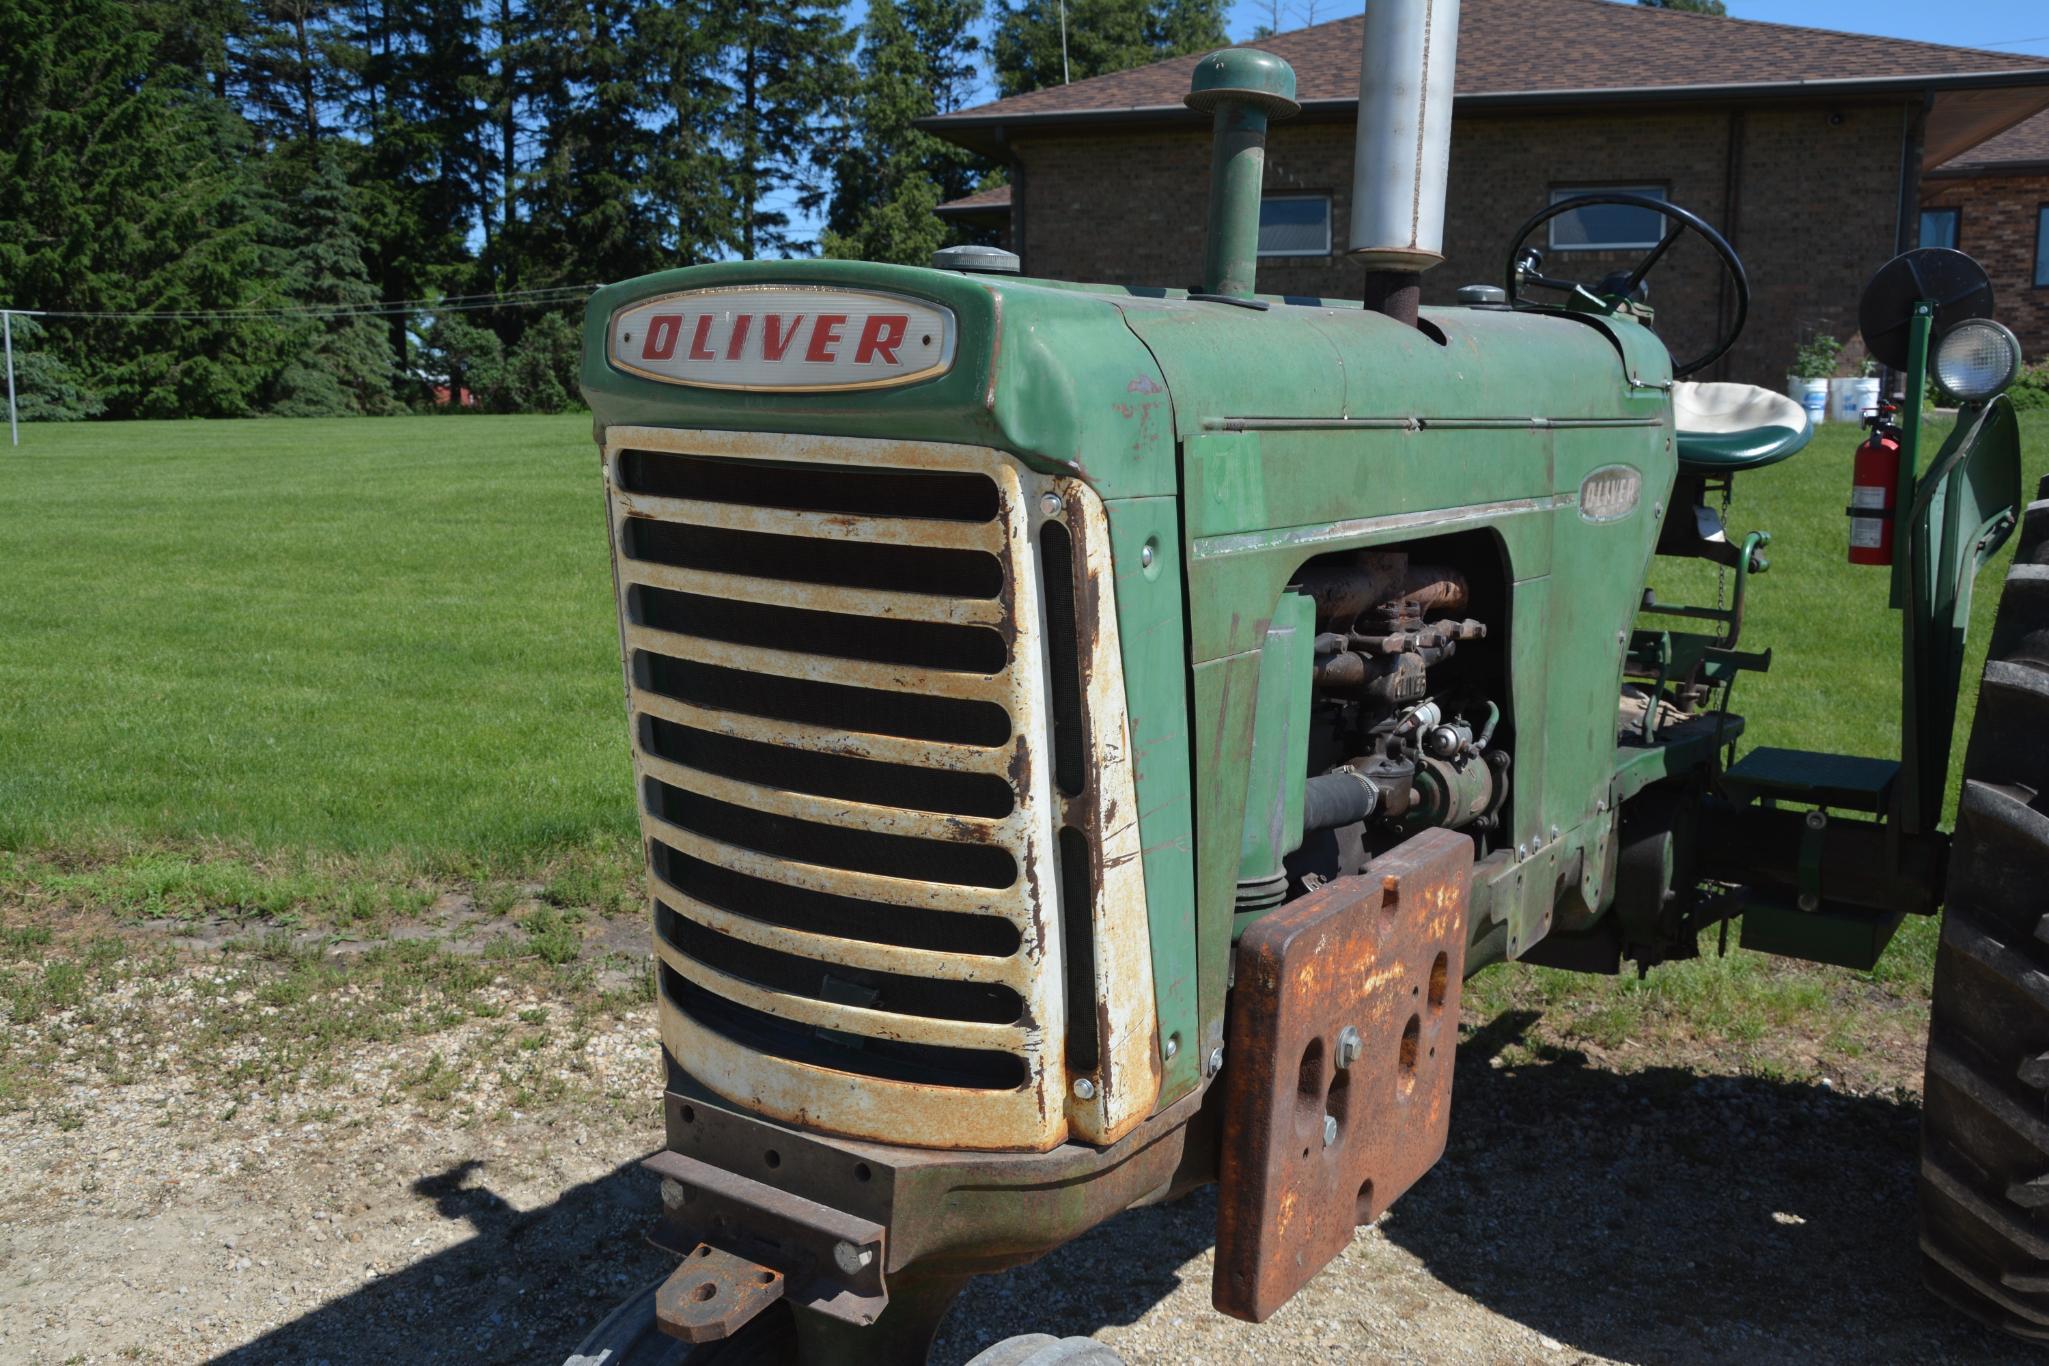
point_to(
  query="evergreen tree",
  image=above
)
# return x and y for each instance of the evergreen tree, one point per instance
(457, 354)
(784, 61)
(584, 210)
(685, 180)
(46, 388)
(125, 185)
(916, 60)
(287, 58)
(540, 373)
(341, 364)
(1102, 36)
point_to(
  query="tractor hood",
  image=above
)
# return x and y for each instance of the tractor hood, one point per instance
(1091, 380)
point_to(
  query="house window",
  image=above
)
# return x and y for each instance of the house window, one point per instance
(2042, 246)
(1939, 227)
(1294, 225)
(1607, 227)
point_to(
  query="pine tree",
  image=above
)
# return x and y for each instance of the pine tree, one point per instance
(585, 215)
(1102, 36)
(341, 364)
(685, 181)
(125, 185)
(916, 60)
(540, 373)
(46, 388)
(784, 62)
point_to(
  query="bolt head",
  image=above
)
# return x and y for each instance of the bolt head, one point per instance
(1171, 1046)
(674, 1196)
(1216, 1060)
(1350, 1045)
(1084, 1089)
(1145, 557)
(1817, 819)
(1522, 851)
(1809, 901)
(849, 1258)
(1050, 504)
(1330, 1130)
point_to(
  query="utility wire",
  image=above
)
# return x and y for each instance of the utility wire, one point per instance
(451, 303)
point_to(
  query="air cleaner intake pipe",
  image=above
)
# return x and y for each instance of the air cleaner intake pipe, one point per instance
(1243, 88)
(1406, 72)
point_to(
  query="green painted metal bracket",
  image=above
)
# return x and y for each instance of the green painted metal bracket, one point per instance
(1961, 512)
(1280, 741)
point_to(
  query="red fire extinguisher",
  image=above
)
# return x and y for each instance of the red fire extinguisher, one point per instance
(1874, 487)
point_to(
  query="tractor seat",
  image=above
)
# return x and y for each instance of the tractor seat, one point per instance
(1724, 428)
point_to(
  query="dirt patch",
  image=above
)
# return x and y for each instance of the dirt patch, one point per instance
(192, 1179)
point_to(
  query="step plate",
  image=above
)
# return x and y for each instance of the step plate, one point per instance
(1383, 954)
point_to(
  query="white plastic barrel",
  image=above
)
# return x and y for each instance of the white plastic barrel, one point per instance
(1814, 398)
(1850, 399)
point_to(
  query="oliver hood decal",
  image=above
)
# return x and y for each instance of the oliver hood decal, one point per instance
(787, 337)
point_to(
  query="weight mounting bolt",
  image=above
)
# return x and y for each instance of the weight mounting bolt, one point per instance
(1049, 503)
(849, 1258)
(1145, 556)
(1350, 1045)
(1084, 1089)
(1330, 1130)
(1170, 1047)
(1216, 1060)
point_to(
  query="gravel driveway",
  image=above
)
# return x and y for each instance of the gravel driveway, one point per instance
(1588, 1210)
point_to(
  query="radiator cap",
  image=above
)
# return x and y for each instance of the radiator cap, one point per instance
(1482, 296)
(976, 260)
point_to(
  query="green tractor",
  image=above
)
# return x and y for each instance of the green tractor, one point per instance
(1085, 736)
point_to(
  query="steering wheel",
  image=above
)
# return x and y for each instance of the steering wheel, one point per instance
(1523, 263)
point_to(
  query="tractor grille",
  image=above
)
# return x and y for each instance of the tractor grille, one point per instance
(839, 684)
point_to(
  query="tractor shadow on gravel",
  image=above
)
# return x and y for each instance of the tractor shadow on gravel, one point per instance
(524, 1286)
(1658, 1215)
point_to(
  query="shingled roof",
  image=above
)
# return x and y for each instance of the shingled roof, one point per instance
(1565, 52)
(2021, 149)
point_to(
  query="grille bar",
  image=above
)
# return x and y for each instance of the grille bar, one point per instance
(834, 811)
(845, 1019)
(869, 602)
(865, 954)
(892, 891)
(887, 749)
(823, 526)
(856, 673)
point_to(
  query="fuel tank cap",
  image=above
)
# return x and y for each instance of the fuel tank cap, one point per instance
(976, 260)
(1482, 296)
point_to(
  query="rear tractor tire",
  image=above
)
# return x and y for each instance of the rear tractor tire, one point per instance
(1984, 1181)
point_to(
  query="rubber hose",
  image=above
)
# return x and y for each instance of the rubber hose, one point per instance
(1334, 799)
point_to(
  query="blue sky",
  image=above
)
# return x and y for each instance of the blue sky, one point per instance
(2011, 25)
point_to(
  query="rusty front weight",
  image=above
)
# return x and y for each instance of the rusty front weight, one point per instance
(1337, 1098)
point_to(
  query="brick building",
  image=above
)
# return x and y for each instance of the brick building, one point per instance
(1993, 202)
(1805, 147)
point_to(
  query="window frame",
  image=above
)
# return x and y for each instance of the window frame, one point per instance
(1649, 189)
(2041, 268)
(1329, 225)
(1955, 211)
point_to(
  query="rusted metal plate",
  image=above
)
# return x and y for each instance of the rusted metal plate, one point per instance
(833, 1261)
(713, 1294)
(1337, 1094)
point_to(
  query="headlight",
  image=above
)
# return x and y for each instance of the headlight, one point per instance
(1976, 359)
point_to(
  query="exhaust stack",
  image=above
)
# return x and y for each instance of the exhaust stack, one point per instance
(1244, 88)
(1406, 72)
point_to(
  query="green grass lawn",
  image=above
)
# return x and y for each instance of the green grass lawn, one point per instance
(292, 667)
(369, 637)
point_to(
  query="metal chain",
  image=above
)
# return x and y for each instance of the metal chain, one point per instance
(1722, 570)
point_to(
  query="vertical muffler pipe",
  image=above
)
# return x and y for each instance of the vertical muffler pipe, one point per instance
(1406, 72)
(1243, 89)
